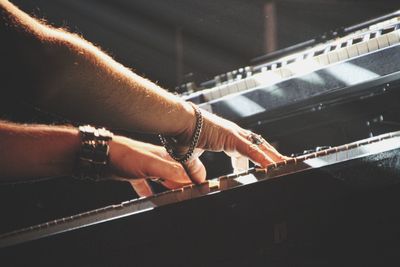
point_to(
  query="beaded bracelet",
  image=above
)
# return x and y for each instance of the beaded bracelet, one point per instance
(170, 143)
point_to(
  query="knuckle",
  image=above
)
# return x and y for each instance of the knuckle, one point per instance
(252, 149)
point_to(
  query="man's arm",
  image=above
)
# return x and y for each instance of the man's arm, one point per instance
(36, 151)
(77, 80)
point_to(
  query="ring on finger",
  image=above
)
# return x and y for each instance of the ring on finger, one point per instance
(256, 139)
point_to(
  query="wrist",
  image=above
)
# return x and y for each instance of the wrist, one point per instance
(93, 157)
(187, 129)
(181, 149)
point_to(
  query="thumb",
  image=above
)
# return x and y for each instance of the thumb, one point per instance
(196, 170)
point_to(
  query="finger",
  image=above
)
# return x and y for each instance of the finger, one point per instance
(173, 185)
(272, 148)
(197, 152)
(167, 169)
(275, 152)
(196, 170)
(271, 152)
(253, 152)
(265, 147)
(141, 187)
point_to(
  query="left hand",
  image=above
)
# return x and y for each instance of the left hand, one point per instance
(219, 134)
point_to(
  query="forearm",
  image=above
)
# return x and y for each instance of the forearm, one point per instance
(104, 92)
(29, 152)
(36, 151)
(77, 80)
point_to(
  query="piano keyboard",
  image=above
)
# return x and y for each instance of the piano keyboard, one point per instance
(360, 149)
(231, 89)
(306, 61)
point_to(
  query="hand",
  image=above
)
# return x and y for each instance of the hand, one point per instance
(219, 134)
(134, 160)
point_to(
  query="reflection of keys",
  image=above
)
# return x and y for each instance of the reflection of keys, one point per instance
(307, 61)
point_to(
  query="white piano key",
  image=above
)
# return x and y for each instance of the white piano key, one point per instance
(230, 76)
(278, 72)
(241, 85)
(250, 82)
(233, 88)
(306, 66)
(323, 59)
(258, 79)
(333, 57)
(394, 37)
(201, 189)
(224, 90)
(208, 94)
(183, 193)
(362, 48)
(383, 41)
(342, 54)
(285, 72)
(268, 77)
(215, 92)
(239, 164)
(217, 80)
(352, 51)
(372, 44)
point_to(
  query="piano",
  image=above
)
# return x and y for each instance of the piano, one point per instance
(333, 104)
(340, 203)
(362, 59)
(332, 90)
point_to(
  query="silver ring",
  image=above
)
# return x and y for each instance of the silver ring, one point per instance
(256, 139)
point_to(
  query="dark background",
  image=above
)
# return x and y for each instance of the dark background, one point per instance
(175, 41)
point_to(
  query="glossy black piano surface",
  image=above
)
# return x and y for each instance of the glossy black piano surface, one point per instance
(340, 214)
